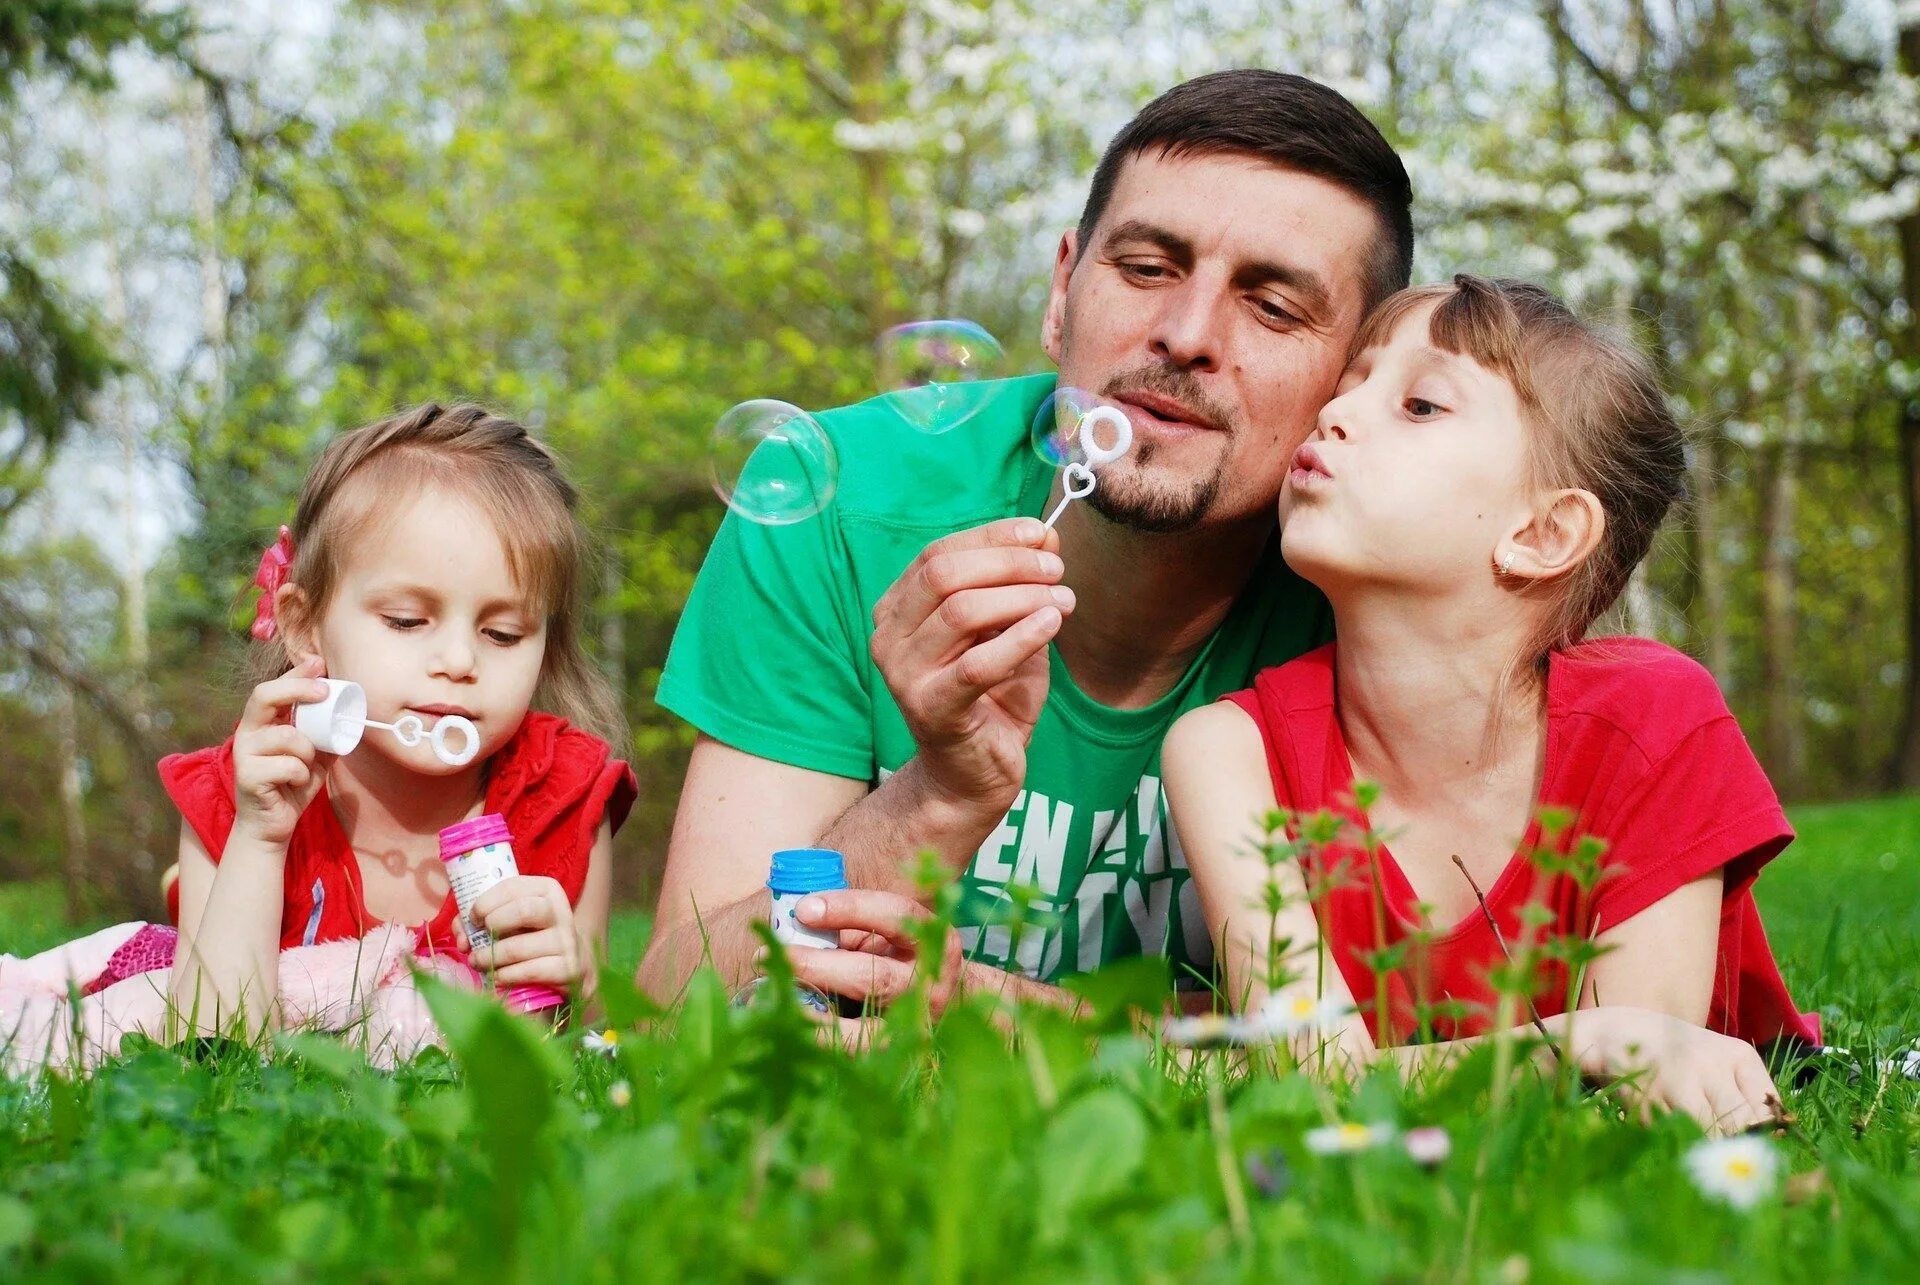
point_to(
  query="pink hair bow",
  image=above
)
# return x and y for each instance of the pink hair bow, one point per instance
(275, 565)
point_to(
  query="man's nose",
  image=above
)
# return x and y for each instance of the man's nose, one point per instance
(1188, 330)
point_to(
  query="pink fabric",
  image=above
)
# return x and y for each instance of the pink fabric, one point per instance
(362, 988)
(151, 947)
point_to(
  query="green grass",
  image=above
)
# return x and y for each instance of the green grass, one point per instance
(745, 1150)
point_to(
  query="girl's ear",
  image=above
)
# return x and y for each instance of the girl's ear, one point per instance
(1555, 541)
(291, 619)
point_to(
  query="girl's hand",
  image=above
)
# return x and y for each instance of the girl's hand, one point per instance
(277, 771)
(534, 936)
(1662, 1062)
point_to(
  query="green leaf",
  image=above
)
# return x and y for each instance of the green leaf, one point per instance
(1089, 1152)
(1139, 983)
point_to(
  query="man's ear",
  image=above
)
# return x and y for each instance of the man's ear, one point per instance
(292, 619)
(1053, 326)
(1555, 541)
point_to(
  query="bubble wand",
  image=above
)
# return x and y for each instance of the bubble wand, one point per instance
(1076, 479)
(336, 723)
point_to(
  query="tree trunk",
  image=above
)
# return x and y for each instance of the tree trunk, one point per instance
(1906, 764)
(73, 866)
(139, 857)
(1710, 612)
(1785, 743)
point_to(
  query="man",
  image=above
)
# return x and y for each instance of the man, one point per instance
(924, 667)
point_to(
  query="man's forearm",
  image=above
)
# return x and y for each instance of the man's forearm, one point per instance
(985, 979)
(905, 815)
(724, 938)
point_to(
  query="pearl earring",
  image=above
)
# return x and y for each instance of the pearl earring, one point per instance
(1506, 564)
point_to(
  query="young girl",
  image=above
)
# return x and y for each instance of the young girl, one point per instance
(434, 559)
(1476, 494)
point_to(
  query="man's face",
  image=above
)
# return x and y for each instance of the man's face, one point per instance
(1215, 304)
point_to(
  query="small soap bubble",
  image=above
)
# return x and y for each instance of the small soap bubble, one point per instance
(925, 365)
(772, 463)
(1058, 438)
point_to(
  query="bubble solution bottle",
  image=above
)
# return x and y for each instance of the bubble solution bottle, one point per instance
(797, 873)
(479, 854)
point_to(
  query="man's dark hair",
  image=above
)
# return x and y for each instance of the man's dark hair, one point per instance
(1288, 121)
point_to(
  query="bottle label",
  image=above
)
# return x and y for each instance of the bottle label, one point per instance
(792, 932)
(471, 876)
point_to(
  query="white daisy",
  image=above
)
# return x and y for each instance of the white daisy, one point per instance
(1428, 1146)
(1905, 1063)
(1346, 1139)
(1740, 1171)
(1201, 1031)
(1280, 1017)
(606, 1042)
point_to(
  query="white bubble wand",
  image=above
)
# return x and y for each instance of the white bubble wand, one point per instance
(336, 723)
(1076, 479)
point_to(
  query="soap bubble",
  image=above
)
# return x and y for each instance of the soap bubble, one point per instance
(924, 365)
(772, 463)
(1058, 435)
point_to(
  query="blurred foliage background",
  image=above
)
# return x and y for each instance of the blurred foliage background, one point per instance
(231, 228)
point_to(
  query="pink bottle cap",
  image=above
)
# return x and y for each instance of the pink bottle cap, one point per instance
(531, 999)
(463, 837)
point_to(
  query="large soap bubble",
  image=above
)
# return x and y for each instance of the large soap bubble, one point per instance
(925, 365)
(1078, 432)
(1074, 426)
(772, 463)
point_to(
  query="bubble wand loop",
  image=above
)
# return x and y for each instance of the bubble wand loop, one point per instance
(1077, 478)
(336, 724)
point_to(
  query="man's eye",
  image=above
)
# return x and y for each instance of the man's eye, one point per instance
(403, 623)
(1275, 314)
(1144, 271)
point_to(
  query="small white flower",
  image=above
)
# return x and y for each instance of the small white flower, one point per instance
(606, 1042)
(1739, 1171)
(1428, 1146)
(1280, 1017)
(1201, 1031)
(1346, 1139)
(620, 1093)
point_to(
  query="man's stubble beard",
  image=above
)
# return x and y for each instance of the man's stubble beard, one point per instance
(1154, 506)
(1134, 498)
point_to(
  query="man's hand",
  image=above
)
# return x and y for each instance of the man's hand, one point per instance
(879, 956)
(961, 639)
(879, 960)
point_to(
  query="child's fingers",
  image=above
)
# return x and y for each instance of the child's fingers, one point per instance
(268, 702)
(276, 740)
(508, 951)
(281, 771)
(519, 903)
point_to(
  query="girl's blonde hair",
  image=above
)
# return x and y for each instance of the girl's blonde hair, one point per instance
(1598, 418)
(509, 475)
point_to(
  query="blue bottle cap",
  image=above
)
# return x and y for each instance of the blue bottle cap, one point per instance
(803, 870)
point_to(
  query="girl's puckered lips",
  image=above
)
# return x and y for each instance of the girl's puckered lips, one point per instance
(1308, 467)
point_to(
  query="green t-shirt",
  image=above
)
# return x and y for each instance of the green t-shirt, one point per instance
(771, 657)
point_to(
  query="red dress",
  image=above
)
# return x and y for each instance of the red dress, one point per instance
(1641, 749)
(553, 783)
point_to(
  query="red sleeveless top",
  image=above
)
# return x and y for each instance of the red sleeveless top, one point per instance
(553, 782)
(1641, 749)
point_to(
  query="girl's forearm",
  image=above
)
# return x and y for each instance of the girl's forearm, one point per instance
(1351, 1049)
(227, 973)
